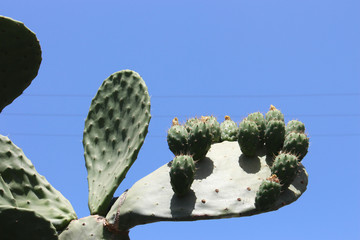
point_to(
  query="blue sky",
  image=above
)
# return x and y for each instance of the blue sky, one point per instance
(201, 58)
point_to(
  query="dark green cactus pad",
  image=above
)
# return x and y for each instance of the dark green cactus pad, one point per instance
(297, 144)
(249, 137)
(20, 58)
(214, 127)
(199, 140)
(274, 137)
(274, 114)
(259, 119)
(182, 174)
(285, 167)
(294, 126)
(92, 228)
(6, 197)
(229, 130)
(269, 191)
(19, 223)
(177, 139)
(30, 189)
(115, 130)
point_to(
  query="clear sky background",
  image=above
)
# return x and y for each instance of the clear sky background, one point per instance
(201, 58)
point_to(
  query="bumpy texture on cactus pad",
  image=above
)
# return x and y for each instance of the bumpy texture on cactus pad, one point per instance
(225, 186)
(269, 191)
(182, 174)
(214, 127)
(115, 130)
(249, 137)
(20, 58)
(31, 190)
(285, 167)
(229, 130)
(296, 143)
(19, 223)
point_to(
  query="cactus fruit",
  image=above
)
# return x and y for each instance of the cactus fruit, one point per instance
(269, 191)
(114, 132)
(274, 137)
(177, 138)
(229, 130)
(259, 119)
(214, 127)
(182, 174)
(249, 137)
(20, 58)
(190, 122)
(29, 189)
(274, 114)
(285, 167)
(19, 223)
(199, 140)
(294, 126)
(296, 143)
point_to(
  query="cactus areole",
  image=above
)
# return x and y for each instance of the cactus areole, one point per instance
(220, 170)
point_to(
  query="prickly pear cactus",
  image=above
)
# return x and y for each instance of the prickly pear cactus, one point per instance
(259, 119)
(285, 167)
(115, 130)
(229, 130)
(294, 126)
(177, 138)
(199, 140)
(269, 191)
(214, 127)
(296, 143)
(249, 137)
(20, 58)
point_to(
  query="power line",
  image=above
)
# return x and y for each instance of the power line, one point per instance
(210, 96)
(181, 116)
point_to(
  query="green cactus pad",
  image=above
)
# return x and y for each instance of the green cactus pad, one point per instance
(19, 223)
(199, 140)
(115, 130)
(177, 138)
(267, 195)
(274, 114)
(285, 167)
(225, 186)
(30, 189)
(229, 130)
(214, 127)
(20, 58)
(190, 123)
(274, 137)
(296, 143)
(182, 174)
(92, 227)
(249, 137)
(259, 119)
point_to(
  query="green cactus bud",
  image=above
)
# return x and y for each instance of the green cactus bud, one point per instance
(190, 123)
(182, 174)
(274, 114)
(19, 223)
(285, 167)
(294, 126)
(199, 140)
(229, 130)
(259, 119)
(269, 191)
(177, 138)
(274, 137)
(20, 58)
(248, 137)
(214, 127)
(297, 144)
